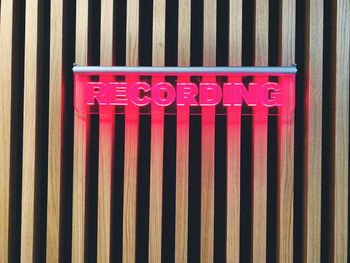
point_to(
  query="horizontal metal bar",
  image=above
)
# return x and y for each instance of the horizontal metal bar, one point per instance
(185, 70)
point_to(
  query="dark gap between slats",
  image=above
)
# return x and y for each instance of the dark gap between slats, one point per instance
(327, 133)
(271, 231)
(221, 138)
(90, 246)
(41, 134)
(299, 155)
(195, 141)
(220, 189)
(17, 77)
(68, 57)
(171, 32)
(143, 184)
(169, 150)
(144, 145)
(119, 55)
(246, 138)
(119, 32)
(118, 190)
(169, 161)
(169, 181)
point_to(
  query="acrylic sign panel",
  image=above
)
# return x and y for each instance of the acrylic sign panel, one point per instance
(272, 88)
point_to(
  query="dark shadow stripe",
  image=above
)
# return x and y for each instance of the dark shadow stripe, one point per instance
(119, 33)
(68, 58)
(91, 211)
(327, 213)
(143, 184)
(41, 135)
(143, 166)
(299, 175)
(119, 56)
(272, 150)
(169, 181)
(222, 35)
(118, 191)
(17, 79)
(195, 140)
(246, 137)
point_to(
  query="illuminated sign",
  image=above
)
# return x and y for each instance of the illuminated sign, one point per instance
(172, 87)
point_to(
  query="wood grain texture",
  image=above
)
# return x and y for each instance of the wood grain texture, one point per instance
(106, 140)
(55, 132)
(285, 195)
(234, 138)
(131, 138)
(182, 138)
(340, 170)
(208, 139)
(29, 130)
(313, 131)
(5, 123)
(157, 139)
(81, 135)
(259, 138)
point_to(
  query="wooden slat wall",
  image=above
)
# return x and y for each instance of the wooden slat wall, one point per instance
(285, 199)
(313, 131)
(55, 135)
(182, 139)
(259, 140)
(81, 135)
(340, 135)
(234, 139)
(5, 123)
(106, 141)
(131, 138)
(326, 201)
(29, 130)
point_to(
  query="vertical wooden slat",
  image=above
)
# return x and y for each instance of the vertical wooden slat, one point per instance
(285, 196)
(55, 132)
(259, 140)
(340, 116)
(208, 139)
(106, 140)
(81, 133)
(5, 123)
(157, 139)
(131, 139)
(182, 138)
(234, 139)
(313, 131)
(29, 129)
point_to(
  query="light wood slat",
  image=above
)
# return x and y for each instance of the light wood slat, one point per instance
(313, 131)
(157, 139)
(285, 195)
(259, 179)
(234, 138)
(208, 139)
(233, 180)
(106, 140)
(259, 138)
(131, 138)
(55, 132)
(341, 60)
(29, 129)
(5, 123)
(182, 138)
(81, 135)
(182, 156)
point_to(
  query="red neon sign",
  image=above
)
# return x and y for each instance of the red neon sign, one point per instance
(270, 88)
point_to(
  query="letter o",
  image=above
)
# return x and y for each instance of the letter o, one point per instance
(160, 88)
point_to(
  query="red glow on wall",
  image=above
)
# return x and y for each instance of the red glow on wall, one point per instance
(172, 93)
